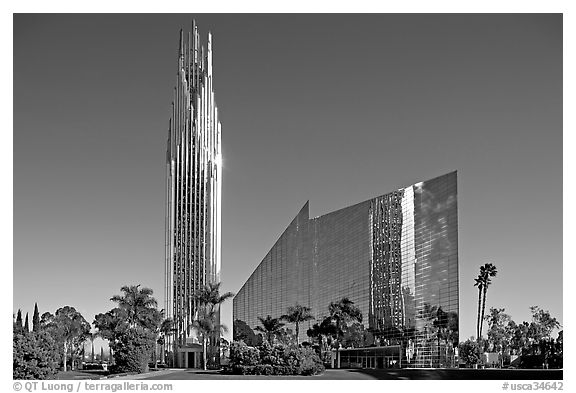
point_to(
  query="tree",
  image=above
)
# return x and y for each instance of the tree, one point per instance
(242, 332)
(210, 294)
(297, 314)
(207, 326)
(34, 356)
(166, 331)
(133, 349)
(499, 335)
(323, 331)
(478, 283)
(131, 328)
(101, 354)
(342, 313)
(208, 300)
(111, 324)
(69, 329)
(470, 353)
(270, 327)
(26, 325)
(484, 278)
(139, 305)
(518, 336)
(543, 323)
(36, 319)
(353, 335)
(18, 327)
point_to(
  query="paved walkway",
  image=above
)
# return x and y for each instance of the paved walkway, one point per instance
(160, 374)
(355, 374)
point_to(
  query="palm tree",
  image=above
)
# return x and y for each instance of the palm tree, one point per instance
(325, 329)
(166, 330)
(208, 300)
(270, 327)
(297, 314)
(478, 283)
(207, 327)
(343, 312)
(139, 305)
(210, 294)
(486, 271)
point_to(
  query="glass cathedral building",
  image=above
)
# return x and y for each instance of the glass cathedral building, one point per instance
(395, 256)
(193, 195)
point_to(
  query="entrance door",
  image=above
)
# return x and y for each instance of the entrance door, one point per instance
(191, 359)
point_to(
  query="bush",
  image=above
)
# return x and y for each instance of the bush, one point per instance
(132, 350)
(309, 362)
(243, 355)
(470, 352)
(273, 360)
(34, 356)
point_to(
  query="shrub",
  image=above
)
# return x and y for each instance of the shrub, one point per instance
(273, 360)
(132, 350)
(243, 355)
(34, 356)
(470, 352)
(309, 362)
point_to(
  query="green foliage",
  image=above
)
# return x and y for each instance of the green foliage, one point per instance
(353, 335)
(470, 352)
(36, 319)
(133, 349)
(132, 328)
(243, 355)
(273, 360)
(139, 307)
(209, 300)
(111, 324)
(309, 362)
(243, 332)
(297, 314)
(270, 327)
(324, 333)
(483, 281)
(542, 323)
(499, 335)
(18, 326)
(34, 356)
(68, 328)
(342, 314)
(26, 325)
(210, 294)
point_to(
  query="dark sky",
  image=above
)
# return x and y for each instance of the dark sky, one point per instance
(335, 109)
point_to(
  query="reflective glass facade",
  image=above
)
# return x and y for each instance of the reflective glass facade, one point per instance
(395, 256)
(193, 193)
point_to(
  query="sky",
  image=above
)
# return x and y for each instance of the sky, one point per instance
(331, 108)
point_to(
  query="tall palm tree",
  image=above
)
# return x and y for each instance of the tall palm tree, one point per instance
(166, 330)
(139, 305)
(207, 326)
(297, 314)
(208, 300)
(486, 271)
(478, 282)
(210, 294)
(270, 327)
